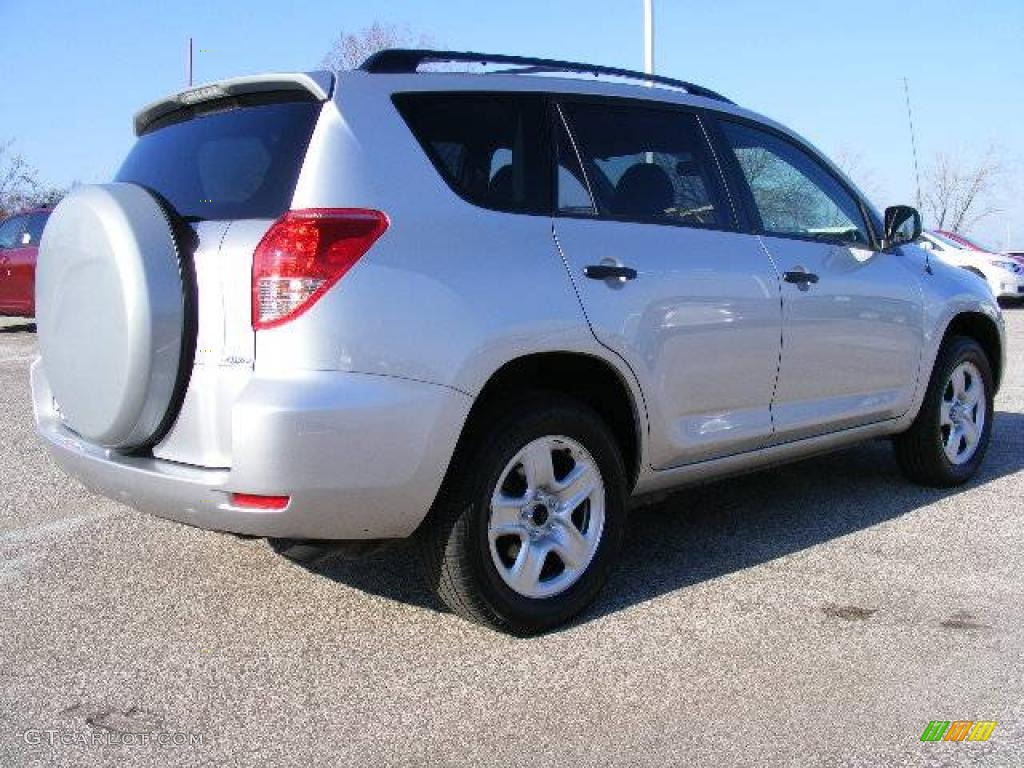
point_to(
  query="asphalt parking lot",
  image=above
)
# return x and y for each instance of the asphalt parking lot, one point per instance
(819, 614)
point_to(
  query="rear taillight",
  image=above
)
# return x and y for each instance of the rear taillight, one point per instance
(303, 255)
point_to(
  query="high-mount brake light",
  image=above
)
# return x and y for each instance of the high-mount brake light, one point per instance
(303, 254)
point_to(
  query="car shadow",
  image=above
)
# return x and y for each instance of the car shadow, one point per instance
(21, 327)
(704, 532)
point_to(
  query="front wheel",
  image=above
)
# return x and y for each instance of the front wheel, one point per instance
(531, 518)
(947, 441)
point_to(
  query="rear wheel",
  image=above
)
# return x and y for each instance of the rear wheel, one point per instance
(531, 518)
(947, 441)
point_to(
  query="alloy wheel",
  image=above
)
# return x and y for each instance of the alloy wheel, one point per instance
(962, 413)
(546, 517)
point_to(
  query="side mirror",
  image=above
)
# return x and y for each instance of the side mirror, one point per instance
(902, 225)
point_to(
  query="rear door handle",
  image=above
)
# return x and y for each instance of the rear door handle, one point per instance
(605, 271)
(800, 277)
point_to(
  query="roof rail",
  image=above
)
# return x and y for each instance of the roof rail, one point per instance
(407, 61)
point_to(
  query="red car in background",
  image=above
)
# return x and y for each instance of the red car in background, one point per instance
(19, 244)
(963, 241)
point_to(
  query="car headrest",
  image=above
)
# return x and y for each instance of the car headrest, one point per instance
(644, 190)
(502, 185)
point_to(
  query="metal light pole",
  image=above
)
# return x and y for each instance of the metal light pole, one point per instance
(649, 37)
(649, 53)
(913, 141)
(188, 69)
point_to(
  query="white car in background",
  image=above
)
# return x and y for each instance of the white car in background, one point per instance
(1004, 275)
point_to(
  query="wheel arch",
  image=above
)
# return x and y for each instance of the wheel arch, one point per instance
(585, 377)
(983, 329)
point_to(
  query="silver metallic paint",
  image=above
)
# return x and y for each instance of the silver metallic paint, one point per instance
(383, 370)
(355, 452)
(110, 312)
(852, 342)
(699, 327)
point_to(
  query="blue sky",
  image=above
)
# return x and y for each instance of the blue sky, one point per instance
(73, 73)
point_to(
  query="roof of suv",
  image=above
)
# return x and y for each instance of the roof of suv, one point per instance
(409, 60)
(399, 70)
(403, 65)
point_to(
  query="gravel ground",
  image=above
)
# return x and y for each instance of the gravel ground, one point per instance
(819, 614)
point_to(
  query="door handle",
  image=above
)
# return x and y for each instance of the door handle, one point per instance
(800, 277)
(605, 271)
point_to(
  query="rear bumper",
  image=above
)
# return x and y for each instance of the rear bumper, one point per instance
(360, 456)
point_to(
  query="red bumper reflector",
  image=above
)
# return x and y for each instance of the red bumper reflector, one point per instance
(254, 501)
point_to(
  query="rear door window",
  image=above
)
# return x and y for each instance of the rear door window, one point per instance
(236, 160)
(489, 148)
(644, 163)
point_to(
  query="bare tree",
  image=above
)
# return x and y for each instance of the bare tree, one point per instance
(20, 187)
(351, 50)
(959, 193)
(18, 180)
(48, 197)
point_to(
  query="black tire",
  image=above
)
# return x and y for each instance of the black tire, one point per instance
(454, 543)
(919, 450)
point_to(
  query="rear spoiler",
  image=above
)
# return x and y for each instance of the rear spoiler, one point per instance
(317, 84)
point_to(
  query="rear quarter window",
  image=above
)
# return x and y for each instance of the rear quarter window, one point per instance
(240, 161)
(489, 148)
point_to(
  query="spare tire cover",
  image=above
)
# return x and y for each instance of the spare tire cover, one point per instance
(110, 313)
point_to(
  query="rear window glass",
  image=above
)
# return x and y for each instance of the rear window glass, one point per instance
(34, 227)
(9, 231)
(490, 149)
(236, 163)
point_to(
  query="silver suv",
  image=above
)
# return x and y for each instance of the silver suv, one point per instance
(486, 308)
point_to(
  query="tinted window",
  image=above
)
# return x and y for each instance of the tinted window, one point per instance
(9, 231)
(793, 193)
(648, 164)
(572, 185)
(490, 149)
(239, 163)
(34, 227)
